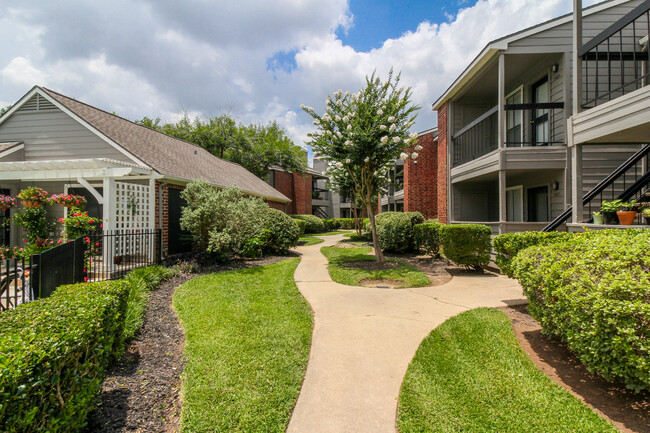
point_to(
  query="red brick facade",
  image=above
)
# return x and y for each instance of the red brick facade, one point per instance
(165, 212)
(443, 142)
(421, 178)
(297, 187)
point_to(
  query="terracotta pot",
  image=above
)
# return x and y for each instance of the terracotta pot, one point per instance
(626, 218)
(31, 203)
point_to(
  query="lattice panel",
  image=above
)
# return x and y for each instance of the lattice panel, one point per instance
(132, 206)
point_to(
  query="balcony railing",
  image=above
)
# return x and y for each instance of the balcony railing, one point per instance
(615, 62)
(526, 125)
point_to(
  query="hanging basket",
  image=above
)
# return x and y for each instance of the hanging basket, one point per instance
(31, 203)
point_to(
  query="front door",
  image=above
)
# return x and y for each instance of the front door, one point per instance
(538, 204)
(540, 122)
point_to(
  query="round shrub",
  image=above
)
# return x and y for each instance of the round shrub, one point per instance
(395, 232)
(415, 217)
(466, 244)
(314, 224)
(592, 291)
(345, 223)
(282, 232)
(427, 237)
(508, 245)
(302, 224)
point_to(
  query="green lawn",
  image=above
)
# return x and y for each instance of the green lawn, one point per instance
(310, 240)
(247, 340)
(351, 276)
(470, 374)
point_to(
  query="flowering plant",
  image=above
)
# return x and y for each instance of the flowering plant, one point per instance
(77, 201)
(7, 202)
(33, 193)
(77, 225)
(7, 252)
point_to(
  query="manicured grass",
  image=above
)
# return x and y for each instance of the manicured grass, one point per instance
(247, 339)
(351, 276)
(357, 240)
(470, 374)
(310, 240)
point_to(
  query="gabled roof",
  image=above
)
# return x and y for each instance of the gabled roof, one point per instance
(492, 49)
(171, 157)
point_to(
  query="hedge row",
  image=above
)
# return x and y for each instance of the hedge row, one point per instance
(427, 237)
(508, 245)
(313, 224)
(302, 225)
(593, 292)
(466, 244)
(54, 351)
(395, 230)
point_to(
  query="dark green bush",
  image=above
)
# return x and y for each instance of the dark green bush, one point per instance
(302, 225)
(283, 232)
(313, 223)
(593, 292)
(415, 217)
(394, 232)
(345, 223)
(427, 237)
(508, 245)
(466, 244)
(54, 353)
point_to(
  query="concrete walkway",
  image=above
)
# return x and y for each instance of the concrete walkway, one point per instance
(364, 339)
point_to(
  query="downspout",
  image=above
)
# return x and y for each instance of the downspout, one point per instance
(160, 215)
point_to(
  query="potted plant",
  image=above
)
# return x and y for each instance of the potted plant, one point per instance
(598, 218)
(609, 209)
(69, 200)
(646, 215)
(33, 197)
(7, 202)
(626, 214)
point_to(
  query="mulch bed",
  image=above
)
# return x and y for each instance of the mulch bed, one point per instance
(141, 390)
(630, 412)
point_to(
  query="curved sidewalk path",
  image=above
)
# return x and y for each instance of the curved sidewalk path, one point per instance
(364, 339)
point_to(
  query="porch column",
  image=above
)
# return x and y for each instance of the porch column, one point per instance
(152, 203)
(576, 149)
(501, 142)
(110, 203)
(576, 176)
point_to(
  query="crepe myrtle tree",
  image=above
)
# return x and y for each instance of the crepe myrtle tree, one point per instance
(362, 134)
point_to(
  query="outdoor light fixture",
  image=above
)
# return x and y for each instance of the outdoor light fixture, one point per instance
(555, 185)
(555, 68)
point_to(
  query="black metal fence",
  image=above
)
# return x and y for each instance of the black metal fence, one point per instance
(476, 139)
(99, 256)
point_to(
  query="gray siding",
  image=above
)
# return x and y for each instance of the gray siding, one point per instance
(51, 134)
(541, 178)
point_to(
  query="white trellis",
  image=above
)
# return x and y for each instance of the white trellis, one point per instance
(132, 216)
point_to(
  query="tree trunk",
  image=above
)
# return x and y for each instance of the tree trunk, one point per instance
(357, 221)
(375, 241)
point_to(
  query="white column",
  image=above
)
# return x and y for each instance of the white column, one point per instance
(576, 149)
(110, 203)
(501, 141)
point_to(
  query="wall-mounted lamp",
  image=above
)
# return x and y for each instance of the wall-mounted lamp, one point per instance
(555, 68)
(555, 185)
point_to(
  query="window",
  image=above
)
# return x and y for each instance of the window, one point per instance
(515, 204)
(514, 131)
(540, 122)
(538, 204)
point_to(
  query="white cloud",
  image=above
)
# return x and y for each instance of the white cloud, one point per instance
(158, 58)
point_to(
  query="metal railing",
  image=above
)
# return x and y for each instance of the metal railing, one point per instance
(478, 138)
(16, 285)
(615, 62)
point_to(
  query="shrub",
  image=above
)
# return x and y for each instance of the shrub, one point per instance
(331, 225)
(394, 232)
(508, 245)
(592, 292)
(283, 232)
(415, 217)
(53, 356)
(427, 237)
(345, 223)
(313, 223)
(466, 244)
(302, 225)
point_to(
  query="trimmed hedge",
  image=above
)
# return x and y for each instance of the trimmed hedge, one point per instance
(394, 232)
(282, 232)
(508, 245)
(593, 292)
(313, 223)
(331, 224)
(415, 217)
(302, 225)
(466, 244)
(346, 223)
(54, 353)
(427, 237)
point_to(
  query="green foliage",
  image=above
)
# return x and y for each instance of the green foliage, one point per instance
(508, 245)
(611, 206)
(78, 224)
(302, 225)
(255, 147)
(592, 292)
(395, 232)
(33, 221)
(34, 193)
(313, 223)
(54, 353)
(362, 134)
(282, 232)
(466, 244)
(331, 224)
(415, 217)
(427, 237)
(471, 375)
(346, 223)
(221, 220)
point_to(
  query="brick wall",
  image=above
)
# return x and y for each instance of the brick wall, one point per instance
(277, 205)
(421, 178)
(443, 142)
(298, 188)
(165, 212)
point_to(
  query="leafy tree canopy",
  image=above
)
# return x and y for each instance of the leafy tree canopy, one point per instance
(255, 147)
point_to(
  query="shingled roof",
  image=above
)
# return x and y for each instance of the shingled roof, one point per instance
(169, 156)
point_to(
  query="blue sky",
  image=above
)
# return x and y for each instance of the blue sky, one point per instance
(375, 21)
